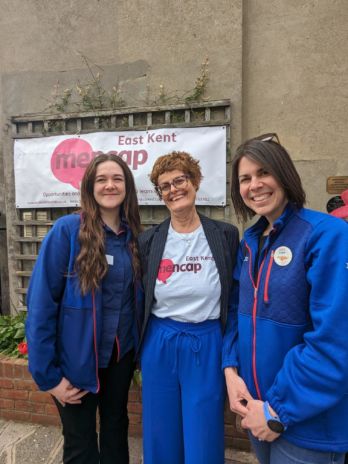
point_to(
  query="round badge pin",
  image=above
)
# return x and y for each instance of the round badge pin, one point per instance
(282, 256)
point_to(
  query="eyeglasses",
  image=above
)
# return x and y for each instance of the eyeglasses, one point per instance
(178, 182)
(271, 137)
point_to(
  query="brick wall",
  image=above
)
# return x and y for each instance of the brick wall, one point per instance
(235, 436)
(20, 400)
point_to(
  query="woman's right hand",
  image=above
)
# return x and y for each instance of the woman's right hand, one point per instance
(238, 393)
(64, 392)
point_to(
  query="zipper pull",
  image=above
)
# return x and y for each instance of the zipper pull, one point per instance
(255, 293)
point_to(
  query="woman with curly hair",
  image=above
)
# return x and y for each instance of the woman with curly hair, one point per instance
(187, 263)
(82, 314)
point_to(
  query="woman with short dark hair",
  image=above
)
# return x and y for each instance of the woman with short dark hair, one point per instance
(287, 373)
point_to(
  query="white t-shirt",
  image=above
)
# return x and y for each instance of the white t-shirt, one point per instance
(187, 287)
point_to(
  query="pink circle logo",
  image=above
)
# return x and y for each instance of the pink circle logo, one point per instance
(70, 159)
(344, 196)
(165, 270)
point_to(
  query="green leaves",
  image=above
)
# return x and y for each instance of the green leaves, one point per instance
(12, 333)
(137, 379)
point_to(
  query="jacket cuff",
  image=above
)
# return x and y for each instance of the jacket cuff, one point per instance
(229, 362)
(278, 408)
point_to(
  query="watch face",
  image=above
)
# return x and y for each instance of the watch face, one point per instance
(275, 426)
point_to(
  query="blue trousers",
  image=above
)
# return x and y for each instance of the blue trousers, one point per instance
(183, 393)
(281, 451)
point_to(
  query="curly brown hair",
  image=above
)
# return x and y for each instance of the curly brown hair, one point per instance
(177, 160)
(91, 264)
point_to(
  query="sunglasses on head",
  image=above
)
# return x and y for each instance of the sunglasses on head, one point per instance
(270, 137)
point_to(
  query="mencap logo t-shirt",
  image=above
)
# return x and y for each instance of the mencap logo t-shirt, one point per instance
(187, 286)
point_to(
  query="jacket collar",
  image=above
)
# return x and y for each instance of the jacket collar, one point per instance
(257, 229)
(124, 229)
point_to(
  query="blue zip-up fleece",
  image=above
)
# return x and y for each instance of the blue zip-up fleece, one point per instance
(64, 328)
(292, 342)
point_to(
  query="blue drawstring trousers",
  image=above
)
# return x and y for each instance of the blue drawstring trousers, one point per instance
(183, 392)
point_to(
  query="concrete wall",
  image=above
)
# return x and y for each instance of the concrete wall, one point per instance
(140, 44)
(295, 82)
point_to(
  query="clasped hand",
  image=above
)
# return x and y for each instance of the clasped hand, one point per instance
(250, 410)
(65, 392)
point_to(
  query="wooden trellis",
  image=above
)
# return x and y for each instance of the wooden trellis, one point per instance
(27, 227)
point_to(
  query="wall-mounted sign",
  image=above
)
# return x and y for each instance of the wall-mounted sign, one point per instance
(336, 184)
(48, 170)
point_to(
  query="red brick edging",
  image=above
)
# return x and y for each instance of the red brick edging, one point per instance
(20, 400)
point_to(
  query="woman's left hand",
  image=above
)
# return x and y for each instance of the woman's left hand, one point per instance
(255, 421)
(65, 392)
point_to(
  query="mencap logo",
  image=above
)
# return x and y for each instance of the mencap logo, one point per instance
(165, 270)
(167, 267)
(71, 157)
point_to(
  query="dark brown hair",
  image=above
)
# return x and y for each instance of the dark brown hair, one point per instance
(91, 263)
(181, 161)
(276, 160)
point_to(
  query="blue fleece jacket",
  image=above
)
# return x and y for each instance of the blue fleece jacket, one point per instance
(292, 343)
(63, 327)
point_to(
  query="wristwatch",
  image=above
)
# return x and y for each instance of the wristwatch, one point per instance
(273, 422)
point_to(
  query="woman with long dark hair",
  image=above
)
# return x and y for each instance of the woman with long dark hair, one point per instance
(82, 323)
(287, 374)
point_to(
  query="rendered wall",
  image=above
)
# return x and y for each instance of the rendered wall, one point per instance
(138, 43)
(295, 83)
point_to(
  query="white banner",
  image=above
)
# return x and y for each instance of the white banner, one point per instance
(48, 170)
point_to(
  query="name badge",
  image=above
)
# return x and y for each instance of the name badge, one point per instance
(282, 256)
(110, 259)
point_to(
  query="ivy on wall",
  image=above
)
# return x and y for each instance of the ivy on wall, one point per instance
(93, 96)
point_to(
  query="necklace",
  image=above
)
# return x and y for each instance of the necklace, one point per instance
(188, 236)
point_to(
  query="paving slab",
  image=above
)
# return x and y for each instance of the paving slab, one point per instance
(35, 444)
